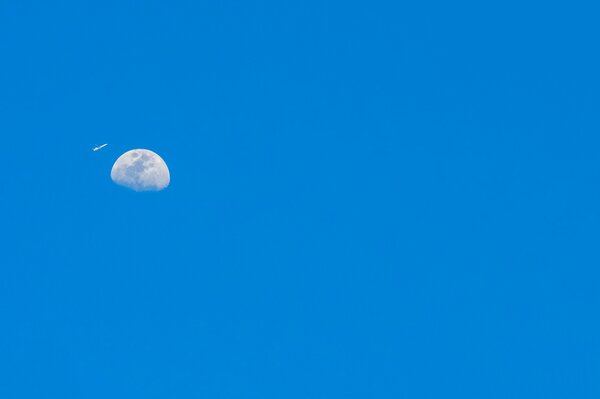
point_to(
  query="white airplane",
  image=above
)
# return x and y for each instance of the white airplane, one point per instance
(99, 147)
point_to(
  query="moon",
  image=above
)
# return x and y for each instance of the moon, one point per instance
(141, 170)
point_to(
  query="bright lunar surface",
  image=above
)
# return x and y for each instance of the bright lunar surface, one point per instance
(141, 170)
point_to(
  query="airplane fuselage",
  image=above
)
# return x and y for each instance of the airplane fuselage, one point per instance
(99, 147)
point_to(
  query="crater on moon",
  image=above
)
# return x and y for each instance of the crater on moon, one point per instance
(141, 170)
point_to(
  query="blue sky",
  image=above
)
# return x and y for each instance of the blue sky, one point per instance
(367, 200)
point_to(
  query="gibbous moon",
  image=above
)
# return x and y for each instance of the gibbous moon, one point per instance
(141, 170)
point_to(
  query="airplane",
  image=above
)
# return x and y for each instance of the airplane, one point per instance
(99, 147)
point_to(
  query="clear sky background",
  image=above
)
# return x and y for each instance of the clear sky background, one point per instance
(368, 200)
